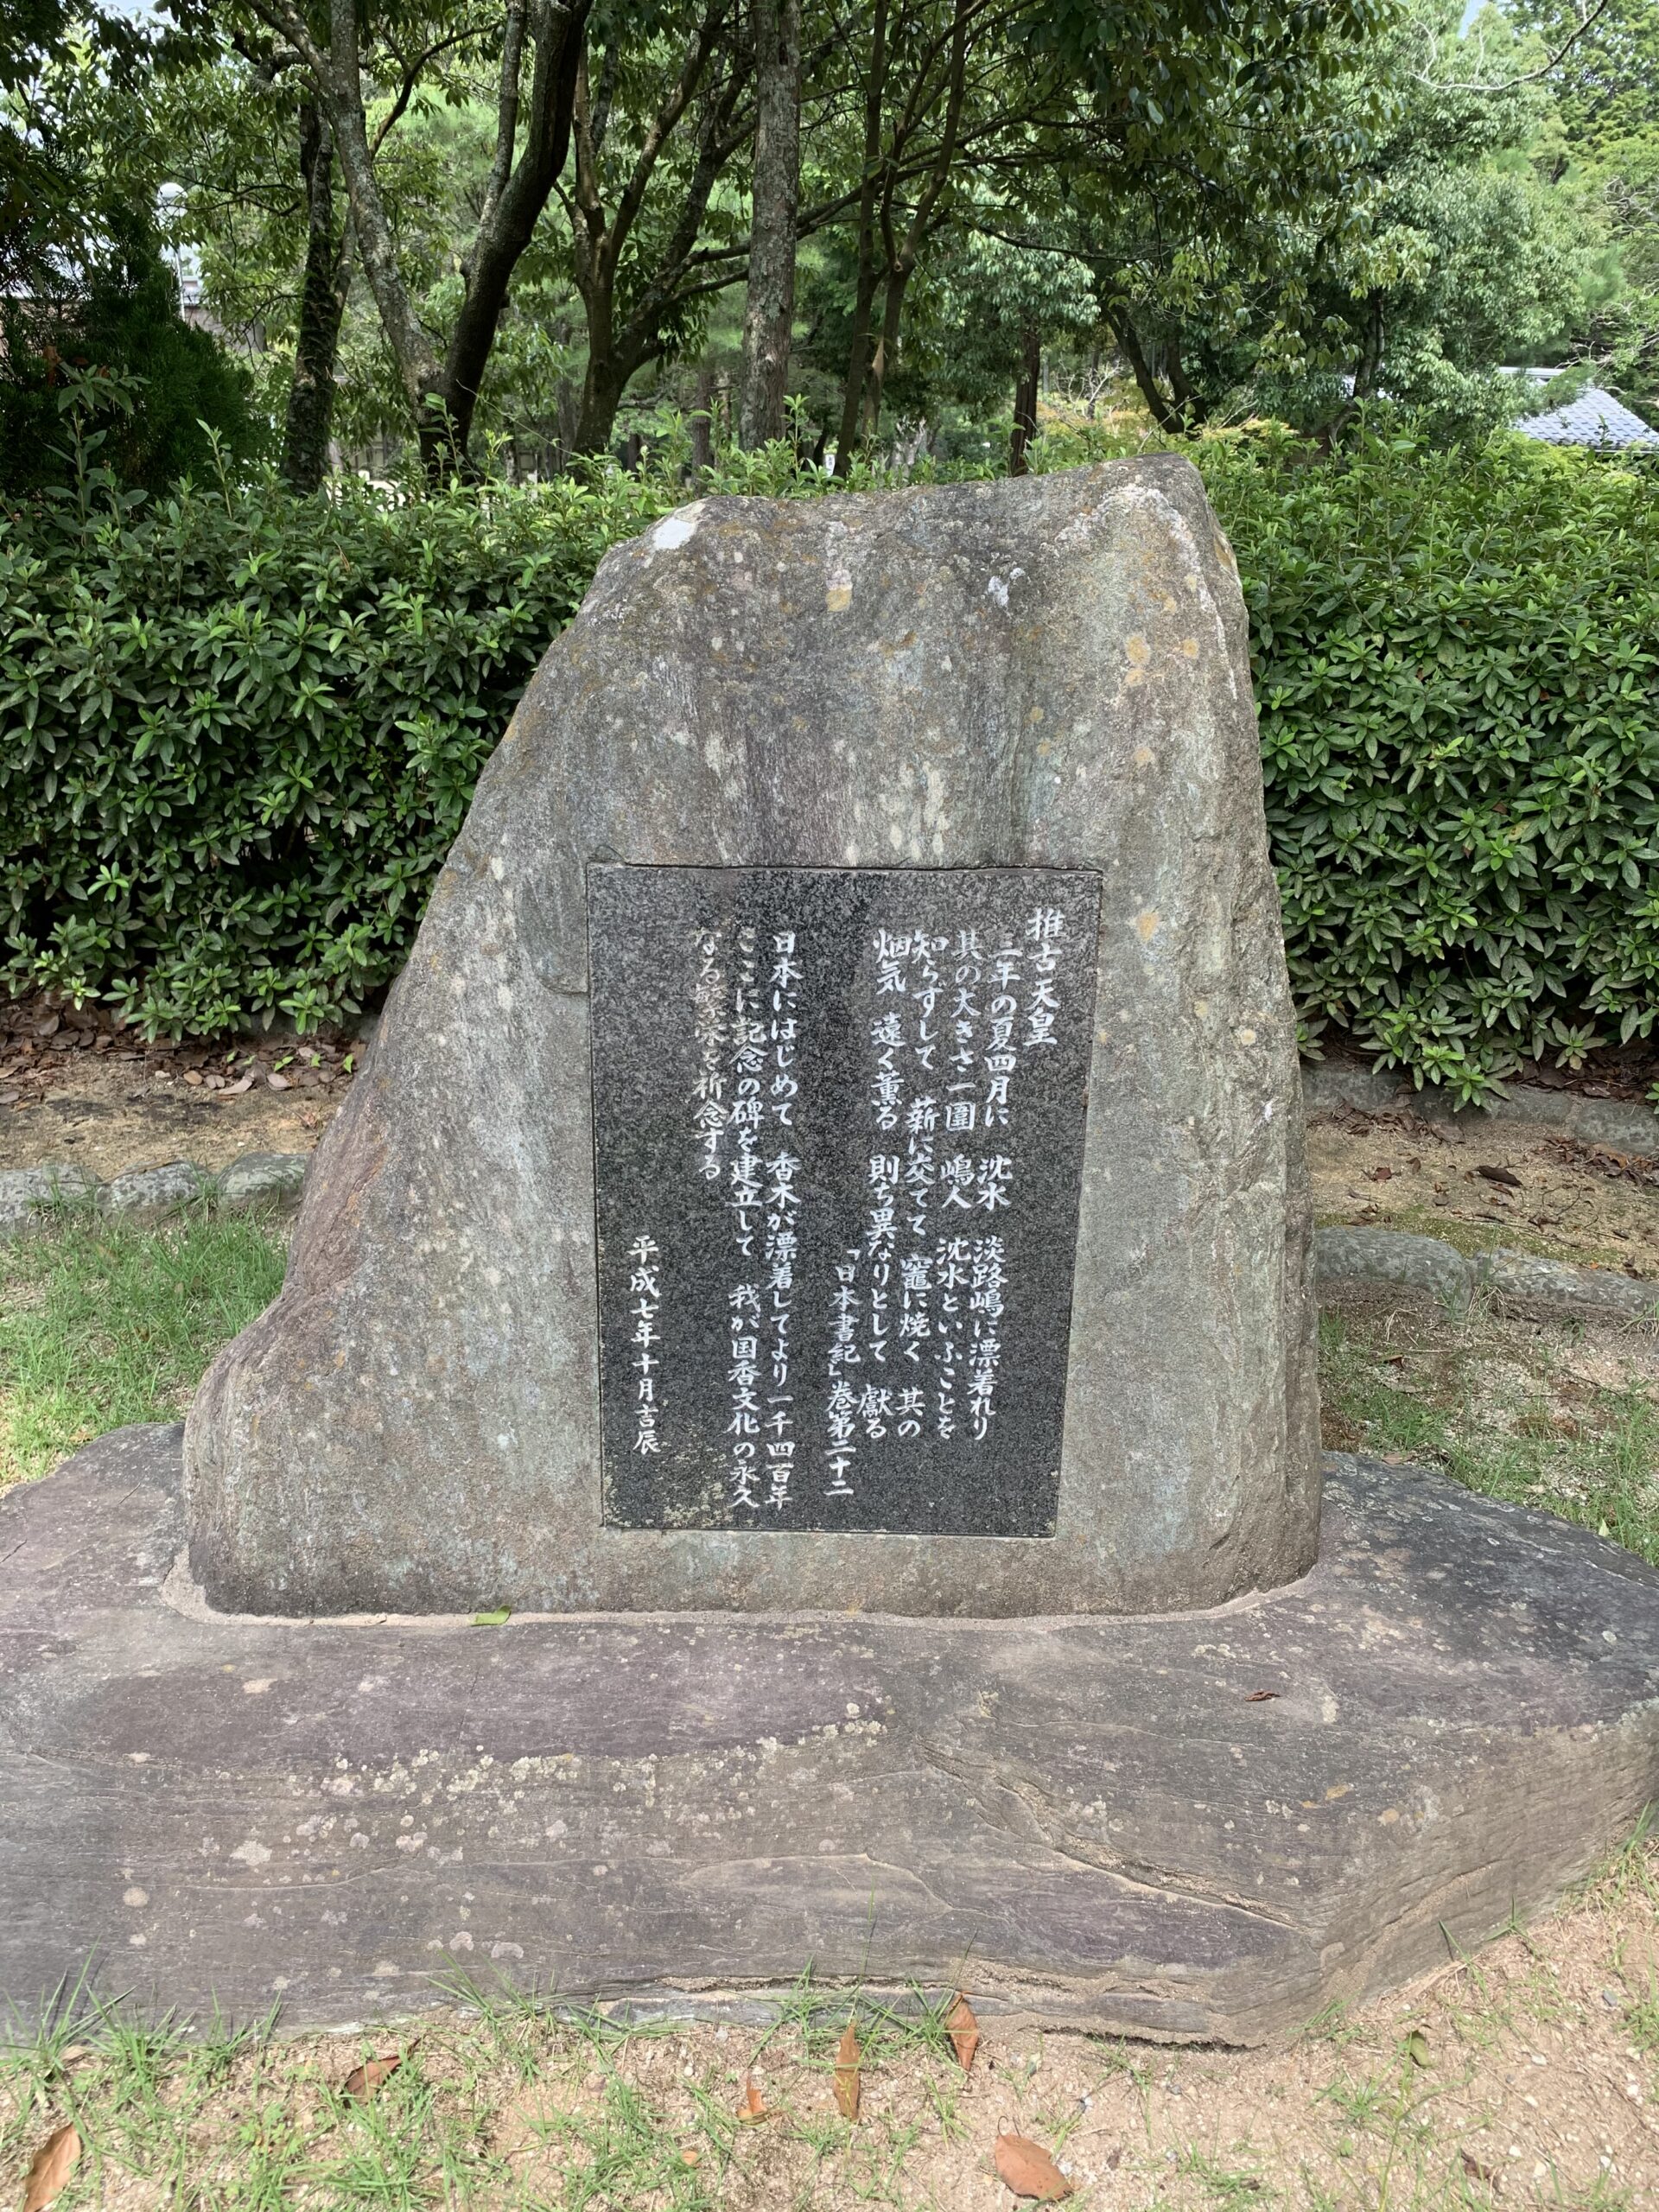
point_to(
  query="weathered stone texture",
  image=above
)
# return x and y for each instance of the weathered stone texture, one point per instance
(1357, 1258)
(153, 1192)
(263, 1179)
(1103, 1822)
(28, 1196)
(1051, 672)
(1524, 1283)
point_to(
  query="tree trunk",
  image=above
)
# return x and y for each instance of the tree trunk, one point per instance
(902, 259)
(512, 210)
(602, 395)
(441, 390)
(323, 302)
(600, 240)
(858, 360)
(568, 420)
(1187, 400)
(1164, 410)
(701, 423)
(887, 347)
(1368, 366)
(1026, 387)
(769, 311)
(419, 369)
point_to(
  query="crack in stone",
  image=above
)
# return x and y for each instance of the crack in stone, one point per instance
(1152, 1881)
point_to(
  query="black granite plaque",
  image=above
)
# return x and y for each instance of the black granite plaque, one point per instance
(838, 1123)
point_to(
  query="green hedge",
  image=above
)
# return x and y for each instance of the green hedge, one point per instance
(1457, 665)
(237, 734)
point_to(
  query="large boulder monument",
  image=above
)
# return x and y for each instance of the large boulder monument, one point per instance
(862, 954)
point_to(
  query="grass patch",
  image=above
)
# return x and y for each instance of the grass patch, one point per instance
(502, 2103)
(1545, 1417)
(105, 1321)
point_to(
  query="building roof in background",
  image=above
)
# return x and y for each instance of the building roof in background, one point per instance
(1594, 418)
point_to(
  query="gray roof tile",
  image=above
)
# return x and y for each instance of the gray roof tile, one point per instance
(1594, 418)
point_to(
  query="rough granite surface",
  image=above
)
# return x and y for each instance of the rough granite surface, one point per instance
(153, 1191)
(272, 1178)
(27, 1195)
(1044, 672)
(1206, 1826)
(1344, 1257)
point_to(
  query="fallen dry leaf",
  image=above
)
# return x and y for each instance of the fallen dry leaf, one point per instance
(1260, 1697)
(848, 2081)
(1502, 1175)
(963, 2030)
(54, 2162)
(279, 1083)
(752, 2110)
(1476, 2171)
(234, 1090)
(363, 2080)
(689, 2157)
(1028, 2171)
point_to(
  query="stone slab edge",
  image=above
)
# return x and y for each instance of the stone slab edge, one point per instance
(1327, 1086)
(1368, 1260)
(29, 1196)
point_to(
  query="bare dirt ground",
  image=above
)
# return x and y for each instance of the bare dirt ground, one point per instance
(1504, 1182)
(74, 1088)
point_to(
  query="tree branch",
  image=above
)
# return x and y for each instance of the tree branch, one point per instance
(679, 99)
(506, 110)
(290, 23)
(412, 75)
(1529, 77)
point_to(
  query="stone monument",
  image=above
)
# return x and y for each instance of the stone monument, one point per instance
(836, 1141)
(821, 1236)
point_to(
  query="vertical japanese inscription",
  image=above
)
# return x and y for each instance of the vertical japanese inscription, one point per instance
(838, 1121)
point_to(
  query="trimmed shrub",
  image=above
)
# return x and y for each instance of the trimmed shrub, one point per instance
(1457, 667)
(238, 733)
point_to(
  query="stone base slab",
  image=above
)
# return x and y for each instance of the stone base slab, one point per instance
(1202, 1826)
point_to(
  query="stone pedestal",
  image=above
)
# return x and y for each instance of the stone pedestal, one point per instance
(1206, 1827)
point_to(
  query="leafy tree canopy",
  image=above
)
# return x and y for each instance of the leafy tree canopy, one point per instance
(529, 221)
